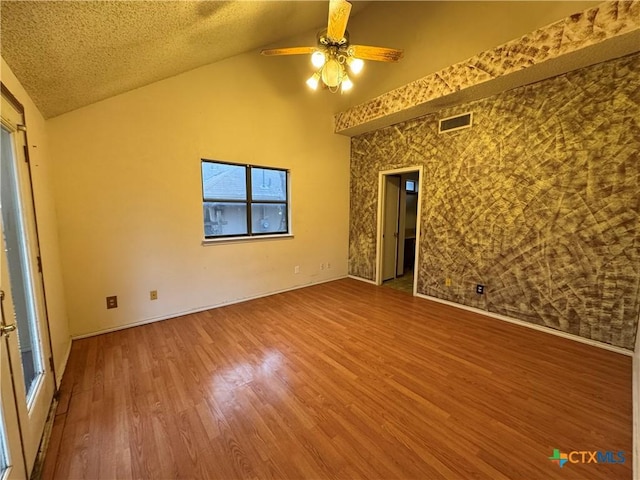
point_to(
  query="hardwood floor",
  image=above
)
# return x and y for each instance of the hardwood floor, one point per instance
(340, 380)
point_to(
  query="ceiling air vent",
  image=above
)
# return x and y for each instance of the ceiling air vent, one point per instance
(451, 124)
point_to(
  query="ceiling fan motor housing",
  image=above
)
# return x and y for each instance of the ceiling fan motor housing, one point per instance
(326, 41)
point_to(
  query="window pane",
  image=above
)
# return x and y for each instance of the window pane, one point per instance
(268, 184)
(225, 219)
(269, 218)
(224, 182)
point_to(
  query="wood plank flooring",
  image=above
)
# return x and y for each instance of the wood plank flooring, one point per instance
(340, 380)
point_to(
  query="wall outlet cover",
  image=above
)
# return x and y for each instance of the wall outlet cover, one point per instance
(479, 289)
(112, 302)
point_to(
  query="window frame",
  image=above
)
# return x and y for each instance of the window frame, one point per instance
(248, 202)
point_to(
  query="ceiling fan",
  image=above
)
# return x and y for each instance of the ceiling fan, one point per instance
(333, 52)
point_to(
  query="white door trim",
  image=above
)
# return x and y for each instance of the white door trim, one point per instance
(380, 223)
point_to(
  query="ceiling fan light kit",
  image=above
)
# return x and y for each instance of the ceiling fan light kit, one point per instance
(334, 53)
(318, 59)
(355, 64)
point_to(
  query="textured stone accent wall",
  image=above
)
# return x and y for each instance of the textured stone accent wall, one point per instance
(539, 201)
(595, 25)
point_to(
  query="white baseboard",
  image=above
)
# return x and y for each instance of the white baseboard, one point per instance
(522, 323)
(365, 280)
(635, 382)
(60, 368)
(198, 309)
(636, 413)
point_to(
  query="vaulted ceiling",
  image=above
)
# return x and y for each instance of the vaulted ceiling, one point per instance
(71, 53)
(68, 54)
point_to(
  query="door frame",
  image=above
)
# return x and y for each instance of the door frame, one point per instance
(380, 223)
(11, 98)
(32, 424)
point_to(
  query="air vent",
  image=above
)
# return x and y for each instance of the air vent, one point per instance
(451, 124)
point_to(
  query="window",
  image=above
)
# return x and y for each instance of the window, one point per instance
(244, 200)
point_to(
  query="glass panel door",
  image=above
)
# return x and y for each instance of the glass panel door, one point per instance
(28, 347)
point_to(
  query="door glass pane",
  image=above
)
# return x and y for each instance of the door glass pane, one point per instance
(4, 461)
(268, 184)
(268, 218)
(221, 219)
(19, 263)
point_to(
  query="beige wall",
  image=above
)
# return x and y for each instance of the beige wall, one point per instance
(127, 182)
(47, 220)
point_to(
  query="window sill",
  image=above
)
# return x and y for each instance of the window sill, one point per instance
(212, 241)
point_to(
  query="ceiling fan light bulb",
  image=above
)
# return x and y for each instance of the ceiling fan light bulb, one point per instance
(347, 84)
(313, 81)
(355, 64)
(332, 73)
(318, 59)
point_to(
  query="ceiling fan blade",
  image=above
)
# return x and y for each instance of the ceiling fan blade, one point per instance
(379, 54)
(339, 11)
(288, 51)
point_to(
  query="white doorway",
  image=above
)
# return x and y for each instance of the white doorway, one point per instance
(25, 332)
(399, 199)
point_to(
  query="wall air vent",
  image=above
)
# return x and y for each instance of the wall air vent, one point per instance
(451, 124)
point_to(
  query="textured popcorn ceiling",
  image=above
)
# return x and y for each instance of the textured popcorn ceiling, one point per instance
(69, 54)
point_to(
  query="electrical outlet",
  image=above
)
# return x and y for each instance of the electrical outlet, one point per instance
(479, 289)
(322, 266)
(296, 269)
(328, 265)
(153, 295)
(447, 282)
(112, 302)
